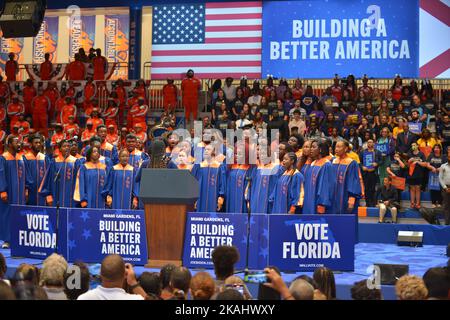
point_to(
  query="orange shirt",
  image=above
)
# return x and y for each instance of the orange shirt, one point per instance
(52, 94)
(41, 105)
(121, 95)
(60, 103)
(190, 88)
(68, 110)
(112, 138)
(11, 68)
(14, 111)
(100, 65)
(46, 70)
(96, 122)
(86, 135)
(89, 91)
(170, 95)
(76, 70)
(28, 94)
(71, 130)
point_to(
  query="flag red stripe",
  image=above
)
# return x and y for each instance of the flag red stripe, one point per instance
(205, 52)
(233, 40)
(206, 64)
(436, 66)
(225, 5)
(437, 9)
(206, 75)
(233, 16)
(233, 28)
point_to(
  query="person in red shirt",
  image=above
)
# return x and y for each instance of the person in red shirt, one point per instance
(71, 129)
(89, 132)
(140, 133)
(2, 111)
(69, 109)
(336, 89)
(52, 93)
(24, 126)
(110, 114)
(141, 90)
(397, 88)
(170, 96)
(76, 70)
(29, 92)
(269, 87)
(297, 90)
(112, 137)
(4, 89)
(138, 114)
(11, 68)
(89, 89)
(57, 137)
(130, 103)
(46, 69)
(190, 88)
(40, 106)
(100, 65)
(72, 90)
(123, 138)
(15, 109)
(96, 121)
(366, 88)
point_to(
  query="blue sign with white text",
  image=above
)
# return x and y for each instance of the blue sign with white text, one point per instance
(34, 233)
(205, 231)
(306, 242)
(95, 233)
(316, 39)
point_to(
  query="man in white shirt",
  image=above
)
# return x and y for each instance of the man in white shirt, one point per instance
(229, 89)
(242, 121)
(255, 99)
(113, 272)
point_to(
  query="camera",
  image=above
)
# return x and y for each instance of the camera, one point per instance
(256, 277)
(238, 287)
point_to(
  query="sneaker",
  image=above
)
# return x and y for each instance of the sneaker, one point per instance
(5, 245)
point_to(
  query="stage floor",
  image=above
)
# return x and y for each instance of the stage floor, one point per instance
(419, 259)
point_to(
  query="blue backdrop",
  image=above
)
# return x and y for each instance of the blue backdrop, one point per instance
(316, 39)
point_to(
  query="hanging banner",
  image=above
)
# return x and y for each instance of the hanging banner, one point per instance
(14, 45)
(46, 40)
(205, 231)
(117, 37)
(316, 39)
(82, 34)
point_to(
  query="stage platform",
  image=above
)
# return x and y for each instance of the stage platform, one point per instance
(419, 260)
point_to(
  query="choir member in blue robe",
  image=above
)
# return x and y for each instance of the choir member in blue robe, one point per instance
(137, 157)
(107, 149)
(91, 180)
(37, 164)
(263, 179)
(211, 176)
(183, 161)
(95, 141)
(348, 189)
(304, 162)
(238, 175)
(59, 180)
(319, 180)
(121, 186)
(288, 191)
(13, 183)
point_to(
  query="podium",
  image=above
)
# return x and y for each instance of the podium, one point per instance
(167, 195)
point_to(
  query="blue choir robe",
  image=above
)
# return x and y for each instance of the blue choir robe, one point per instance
(137, 157)
(319, 186)
(288, 191)
(305, 167)
(237, 182)
(13, 181)
(102, 159)
(212, 184)
(109, 150)
(264, 179)
(347, 186)
(91, 181)
(36, 168)
(63, 187)
(121, 186)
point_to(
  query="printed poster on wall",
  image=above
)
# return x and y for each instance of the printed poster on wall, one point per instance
(117, 38)
(14, 45)
(82, 34)
(46, 40)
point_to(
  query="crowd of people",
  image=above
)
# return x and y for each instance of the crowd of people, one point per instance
(373, 143)
(57, 280)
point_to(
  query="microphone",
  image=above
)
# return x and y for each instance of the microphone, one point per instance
(58, 174)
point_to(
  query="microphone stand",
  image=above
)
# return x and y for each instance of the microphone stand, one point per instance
(249, 214)
(57, 181)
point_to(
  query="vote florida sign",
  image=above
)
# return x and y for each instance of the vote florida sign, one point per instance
(205, 231)
(88, 235)
(316, 39)
(34, 233)
(306, 242)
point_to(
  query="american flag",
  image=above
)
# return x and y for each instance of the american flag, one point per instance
(216, 40)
